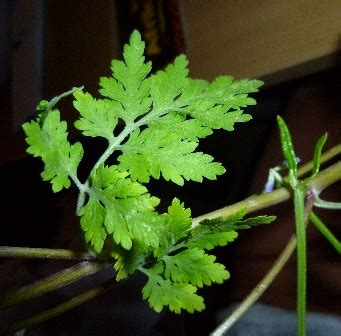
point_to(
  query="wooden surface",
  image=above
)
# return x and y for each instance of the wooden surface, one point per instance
(275, 40)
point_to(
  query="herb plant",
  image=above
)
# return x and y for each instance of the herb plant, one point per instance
(305, 197)
(154, 122)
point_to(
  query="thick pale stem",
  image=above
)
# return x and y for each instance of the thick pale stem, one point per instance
(42, 253)
(254, 203)
(321, 181)
(49, 284)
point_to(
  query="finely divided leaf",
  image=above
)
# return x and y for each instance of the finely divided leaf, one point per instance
(219, 104)
(175, 225)
(98, 117)
(128, 260)
(128, 210)
(219, 116)
(195, 267)
(92, 223)
(207, 239)
(161, 292)
(254, 221)
(153, 152)
(185, 129)
(49, 141)
(167, 85)
(211, 233)
(128, 84)
(178, 220)
(116, 224)
(176, 111)
(183, 111)
(165, 115)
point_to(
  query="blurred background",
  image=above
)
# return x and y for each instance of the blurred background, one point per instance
(47, 47)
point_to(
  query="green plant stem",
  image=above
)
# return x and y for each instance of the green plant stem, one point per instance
(49, 284)
(254, 203)
(301, 293)
(251, 204)
(42, 253)
(112, 146)
(258, 291)
(56, 99)
(325, 231)
(325, 178)
(56, 311)
(115, 144)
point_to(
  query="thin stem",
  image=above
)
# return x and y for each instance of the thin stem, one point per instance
(320, 203)
(325, 231)
(115, 144)
(254, 203)
(49, 284)
(42, 253)
(301, 294)
(259, 290)
(81, 197)
(56, 99)
(128, 129)
(82, 187)
(250, 204)
(323, 179)
(58, 310)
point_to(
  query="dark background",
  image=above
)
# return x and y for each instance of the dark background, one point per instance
(47, 47)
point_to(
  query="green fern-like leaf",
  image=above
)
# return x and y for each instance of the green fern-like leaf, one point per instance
(195, 267)
(49, 141)
(128, 210)
(153, 124)
(98, 117)
(129, 85)
(153, 152)
(162, 292)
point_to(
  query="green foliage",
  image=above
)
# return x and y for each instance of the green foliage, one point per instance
(317, 154)
(98, 117)
(162, 292)
(152, 152)
(221, 231)
(49, 142)
(303, 204)
(125, 210)
(153, 123)
(287, 145)
(128, 86)
(194, 266)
